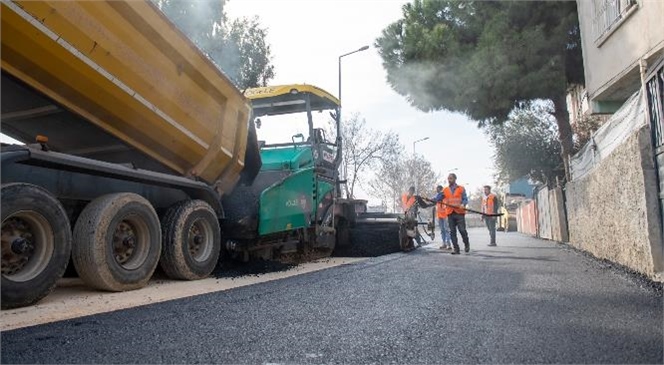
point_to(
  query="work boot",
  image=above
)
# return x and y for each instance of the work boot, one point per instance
(455, 252)
(466, 247)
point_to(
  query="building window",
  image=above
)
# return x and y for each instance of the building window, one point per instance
(607, 13)
(655, 97)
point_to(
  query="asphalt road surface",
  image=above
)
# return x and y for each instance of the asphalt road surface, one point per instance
(526, 301)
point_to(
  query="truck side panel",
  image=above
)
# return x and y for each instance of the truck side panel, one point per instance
(125, 68)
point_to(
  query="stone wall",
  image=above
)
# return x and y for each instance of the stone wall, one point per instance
(614, 210)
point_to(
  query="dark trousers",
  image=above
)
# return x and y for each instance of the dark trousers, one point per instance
(491, 225)
(455, 221)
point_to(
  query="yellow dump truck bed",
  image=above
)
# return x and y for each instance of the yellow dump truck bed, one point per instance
(117, 81)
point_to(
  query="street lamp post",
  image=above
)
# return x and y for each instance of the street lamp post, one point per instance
(417, 178)
(344, 55)
(339, 147)
(419, 140)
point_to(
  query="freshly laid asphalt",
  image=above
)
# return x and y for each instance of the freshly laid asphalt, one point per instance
(525, 301)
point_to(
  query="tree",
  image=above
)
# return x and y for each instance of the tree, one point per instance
(238, 47)
(395, 176)
(584, 128)
(475, 199)
(485, 58)
(250, 61)
(200, 20)
(526, 145)
(364, 149)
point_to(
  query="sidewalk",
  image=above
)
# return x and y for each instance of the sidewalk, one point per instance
(514, 245)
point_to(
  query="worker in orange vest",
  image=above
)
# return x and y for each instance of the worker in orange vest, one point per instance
(408, 199)
(456, 199)
(441, 214)
(490, 206)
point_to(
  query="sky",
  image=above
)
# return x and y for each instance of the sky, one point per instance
(306, 39)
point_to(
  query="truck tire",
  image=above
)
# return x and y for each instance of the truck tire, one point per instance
(117, 242)
(191, 240)
(36, 244)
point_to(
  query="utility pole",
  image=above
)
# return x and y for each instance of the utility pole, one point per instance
(339, 141)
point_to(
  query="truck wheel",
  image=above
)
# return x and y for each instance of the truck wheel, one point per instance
(117, 242)
(191, 240)
(405, 243)
(36, 243)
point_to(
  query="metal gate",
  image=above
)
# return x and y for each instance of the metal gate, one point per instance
(655, 96)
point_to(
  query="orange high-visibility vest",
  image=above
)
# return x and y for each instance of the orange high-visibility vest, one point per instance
(454, 199)
(441, 209)
(489, 203)
(407, 202)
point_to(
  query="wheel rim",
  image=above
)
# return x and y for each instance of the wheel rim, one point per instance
(131, 242)
(200, 240)
(27, 245)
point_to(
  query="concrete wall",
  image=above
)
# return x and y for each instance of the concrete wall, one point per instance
(558, 216)
(543, 214)
(526, 218)
(611, 68)
(547, 219)
(613, 211)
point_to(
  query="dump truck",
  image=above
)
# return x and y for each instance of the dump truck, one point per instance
(137, 135)
(139, 152)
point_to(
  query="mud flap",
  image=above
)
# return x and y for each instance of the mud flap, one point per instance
(252, 157)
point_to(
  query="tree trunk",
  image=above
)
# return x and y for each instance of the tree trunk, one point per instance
(351, 191)
(564, 132)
